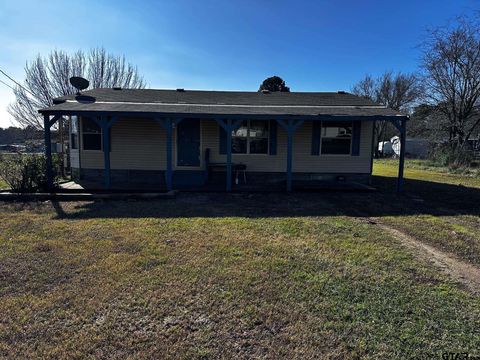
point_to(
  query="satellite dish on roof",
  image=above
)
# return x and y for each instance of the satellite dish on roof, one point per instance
(79, 83)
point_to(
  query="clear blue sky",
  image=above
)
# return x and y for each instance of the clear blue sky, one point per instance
(228, 45)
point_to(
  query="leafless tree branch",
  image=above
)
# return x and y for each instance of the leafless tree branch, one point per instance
(48, 77)
(396, 91)
(451, 74)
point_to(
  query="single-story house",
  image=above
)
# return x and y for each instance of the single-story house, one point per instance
(174, 139)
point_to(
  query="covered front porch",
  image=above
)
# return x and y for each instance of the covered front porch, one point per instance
(214, 175)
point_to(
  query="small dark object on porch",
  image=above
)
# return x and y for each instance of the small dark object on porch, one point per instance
(237, 168)
(240, 168)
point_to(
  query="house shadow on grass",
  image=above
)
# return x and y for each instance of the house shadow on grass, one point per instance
(420, 197)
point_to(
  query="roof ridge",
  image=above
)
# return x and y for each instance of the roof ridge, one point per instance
(231, 91)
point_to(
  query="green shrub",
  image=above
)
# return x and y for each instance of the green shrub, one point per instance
(26, 172)
(454, 158)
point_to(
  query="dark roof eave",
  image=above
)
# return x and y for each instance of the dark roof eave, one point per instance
(226, 116)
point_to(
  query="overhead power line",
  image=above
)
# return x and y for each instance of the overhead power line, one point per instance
(16, 82)
(4, 83)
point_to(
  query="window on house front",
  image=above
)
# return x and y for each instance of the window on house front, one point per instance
(91, 135)
(74, 132)
(336, 138)
(251, 138)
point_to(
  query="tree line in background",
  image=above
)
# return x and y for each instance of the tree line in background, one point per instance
(16, 135)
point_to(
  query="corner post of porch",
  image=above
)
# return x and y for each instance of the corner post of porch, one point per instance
(106, 152)
(106, 125)
(290, 126)
(48, 150)
(229, 129)
(403, 133)
(289, 157)
(169, 173)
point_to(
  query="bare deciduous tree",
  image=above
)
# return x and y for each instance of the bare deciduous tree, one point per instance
(451, 74)
(397, 91)
(48, 77)
(367, 88)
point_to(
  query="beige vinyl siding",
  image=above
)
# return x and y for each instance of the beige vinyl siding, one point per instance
(139, 144)
(91, 159)
(136, 144)
(139, 147)
(74, 158)
(303, 161)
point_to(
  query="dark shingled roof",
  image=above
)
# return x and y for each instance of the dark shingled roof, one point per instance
(219, 103)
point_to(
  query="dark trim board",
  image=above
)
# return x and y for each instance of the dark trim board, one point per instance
(123, 179)
(372, 155)
(214, 116)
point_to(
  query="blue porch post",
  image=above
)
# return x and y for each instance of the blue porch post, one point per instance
(229, 126)
(106, 154)
(48, 151)
(290, 126)
(169, 173)
(289, 158)
(403, 132)
(106, 124)
(47, 124)
(167, 124)
(229, 155)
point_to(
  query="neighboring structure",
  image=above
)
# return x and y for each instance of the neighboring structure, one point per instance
(474, 147)
(414, 147)
(166, 139)
(385, 148)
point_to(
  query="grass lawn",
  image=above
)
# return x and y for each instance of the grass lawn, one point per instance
(447, 215)
(246, 276)
(421, 170)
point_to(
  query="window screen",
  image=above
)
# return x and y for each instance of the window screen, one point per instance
(91, 135)
(336, 138)
(251, 138)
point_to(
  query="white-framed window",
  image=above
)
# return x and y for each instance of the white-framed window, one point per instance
(251, 137)
(91, 135)
(336, 138)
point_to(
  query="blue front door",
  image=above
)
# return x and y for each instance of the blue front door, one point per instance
(188, 142)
